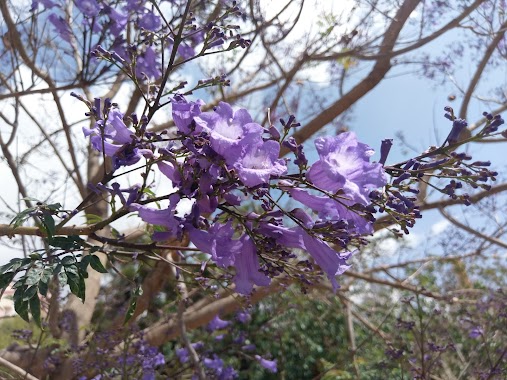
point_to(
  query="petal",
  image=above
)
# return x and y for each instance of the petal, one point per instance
(329, 261)
(247, 268)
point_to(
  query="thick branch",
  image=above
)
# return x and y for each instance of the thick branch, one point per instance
(376, 75)
(480, 70)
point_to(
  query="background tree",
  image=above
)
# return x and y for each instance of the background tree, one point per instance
(135, 54)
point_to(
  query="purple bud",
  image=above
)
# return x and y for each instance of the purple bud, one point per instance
(457, 127)
(487, 115)
(96, 106)
(385, 147)
(274, 133)
(481, 163)
(401, 178)
(270, 365)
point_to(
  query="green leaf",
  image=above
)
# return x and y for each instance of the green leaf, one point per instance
(58, 269)
(21, 217)
(74, 286)
(85, 261)
(6, 279)
(29, 293)
(82, 288)
(47, 273)
(30, 199)
(133, 304)
(15, 264)
(54, 206)
(35, 256)
(92, 218)
(97, 265)
(68, 260)
(35, 310)
(67, 242)
(77, 287)
(33, 276)
(21, 307)
(49, 224)
(43, 288)
(62, 278)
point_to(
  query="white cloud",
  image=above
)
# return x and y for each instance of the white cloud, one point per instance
(388, 245)
(439, 227)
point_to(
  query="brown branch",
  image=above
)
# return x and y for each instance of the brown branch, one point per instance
(14, 368)
(480, 69)
(421, 42)
(203, 312)
(387, 220)
(472, 231)
(16, 42)
(382, 66)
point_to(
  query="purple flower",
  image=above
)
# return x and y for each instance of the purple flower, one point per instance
(184, 113)
(328, 208)
(270, 365)
(260, 163)
(216, 363)
(170, 171)
(150, 21)
(288, 237)
(331, 262)
(114, 130)
(118, 21)
(228, 373)
(158, 360)
(183, 355)
(147, 64)
(61, 26)
(48, 4)
(385, 147)
(217, 242)
(243, 317)
(344, 164)
(116, 140)
(89, 8)
(247, 268)
(231, 133)
(218, 324)
(458, 125)
(165, 217)
(476, 332)
(186, 51)
(249, 347)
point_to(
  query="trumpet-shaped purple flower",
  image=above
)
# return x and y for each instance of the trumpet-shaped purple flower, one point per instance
(118, 20)
(231, 133)
(328, 208)
(218, 324)
(89, 8)
(114, 130)
(150, 21)
(458, 125)
(217, 242)
(260, 163)
(186, 51)
(116, 140)
(147, 64)
(331, 262)
(184, 112)
(270, 365)
(344, 164)
(166, 217)
(48, 4)
(61, 26)
(247, 268)
(170, 170)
